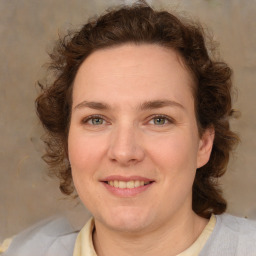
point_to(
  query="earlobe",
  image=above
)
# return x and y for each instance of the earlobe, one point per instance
(205, 147)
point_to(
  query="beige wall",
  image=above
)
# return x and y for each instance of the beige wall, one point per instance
(28, 29)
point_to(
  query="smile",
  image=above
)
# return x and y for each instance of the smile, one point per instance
(128, 184)
(121, 186)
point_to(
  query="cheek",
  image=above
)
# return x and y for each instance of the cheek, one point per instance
(176, 152)
(175, 159)
(85, 154)
(84, 151)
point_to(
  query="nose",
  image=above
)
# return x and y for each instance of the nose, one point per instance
(125, 146)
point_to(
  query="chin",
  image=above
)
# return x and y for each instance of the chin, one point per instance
(127, 219)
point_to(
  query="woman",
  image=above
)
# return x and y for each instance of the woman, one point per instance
(137, 121)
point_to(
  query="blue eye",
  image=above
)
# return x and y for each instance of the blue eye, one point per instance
(94, 120)
(160, 120)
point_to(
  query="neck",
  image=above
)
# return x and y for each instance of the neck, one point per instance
(171, 238)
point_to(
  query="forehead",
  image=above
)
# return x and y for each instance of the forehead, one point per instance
(138, 71)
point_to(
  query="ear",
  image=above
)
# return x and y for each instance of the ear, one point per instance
(205, 147)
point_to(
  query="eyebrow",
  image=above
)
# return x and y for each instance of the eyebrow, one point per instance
(92, 105)
(154, 104)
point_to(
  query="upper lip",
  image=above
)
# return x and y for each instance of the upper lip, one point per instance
(124, 178)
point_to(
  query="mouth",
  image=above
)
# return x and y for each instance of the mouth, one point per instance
(127, 184)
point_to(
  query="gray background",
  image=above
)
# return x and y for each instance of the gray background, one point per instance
(28, 29)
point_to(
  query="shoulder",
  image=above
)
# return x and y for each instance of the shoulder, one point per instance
(237, 224)
(231, 236)
(47, 238)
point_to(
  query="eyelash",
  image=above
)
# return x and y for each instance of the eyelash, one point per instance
(166, 118)
(91, 117)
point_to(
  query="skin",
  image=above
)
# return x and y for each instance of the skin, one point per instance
(128, 139)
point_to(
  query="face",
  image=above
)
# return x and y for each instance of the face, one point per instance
(133, 142)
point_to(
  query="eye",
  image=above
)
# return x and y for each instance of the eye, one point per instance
(94, 120)
(97, 121)
(160, 120)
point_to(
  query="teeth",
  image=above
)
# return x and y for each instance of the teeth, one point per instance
(136, 183)
(129, 184)
(122, 184)
(116, 184)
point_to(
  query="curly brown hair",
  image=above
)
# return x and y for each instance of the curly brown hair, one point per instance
(140, 24)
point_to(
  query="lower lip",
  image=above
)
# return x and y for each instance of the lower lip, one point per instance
(127, 192)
